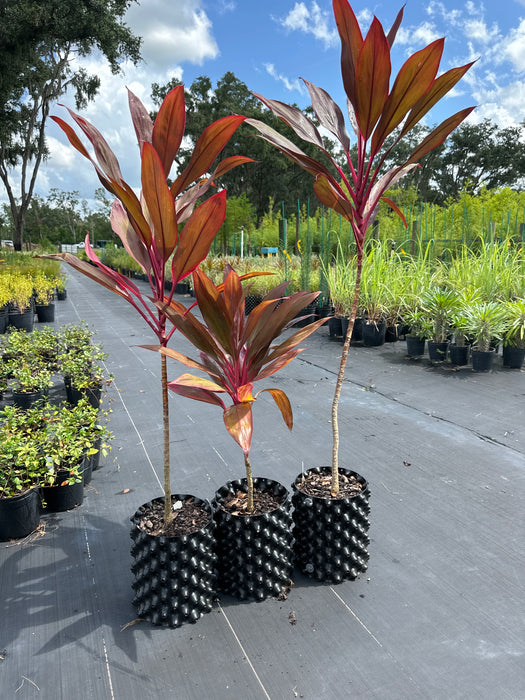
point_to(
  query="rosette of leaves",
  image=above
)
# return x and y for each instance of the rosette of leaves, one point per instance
(166, 226)
(236, 351)
(381, 115)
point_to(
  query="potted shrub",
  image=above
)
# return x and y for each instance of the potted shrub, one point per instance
(5, 298)
(30, 379)
(83, 374)
(61, 290)
(254, 524)
(486, 321)
(377, 113)
(420, 328)
(44, 291)
(20, 471)
(166, 226)
(21, 310)
(514, 335)
(440, 304)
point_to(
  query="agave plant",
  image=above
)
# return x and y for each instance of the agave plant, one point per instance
(376, 111)
(487, 322)
(236, 351)
(163, 226)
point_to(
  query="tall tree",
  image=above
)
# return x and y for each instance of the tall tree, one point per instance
(38, 45)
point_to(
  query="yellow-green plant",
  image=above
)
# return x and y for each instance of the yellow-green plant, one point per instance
(20, 290)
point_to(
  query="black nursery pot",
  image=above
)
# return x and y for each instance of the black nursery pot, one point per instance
(374, 334)
(174, 577)
(331, 535)
(335, 328)
(482, 360)
(58, 499)
(415, 346)
(45, 313)
(92, 394)
(437, 351)
(254, 551)
(458, 354)
(19, 515)
(27, 399)
(513, 357)
(23, 321)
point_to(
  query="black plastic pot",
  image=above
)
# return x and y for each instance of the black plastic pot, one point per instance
(19, 515)
(513, 357)
(458, 354)
(62, 296)
(26, 400)
(331, 535)
(92, 394)
(45, 313)
(254, 551)
(437, 351)
(392, 334)
(4, 318)
(335, 326)
(23, 321)
(482, 360)
(415, 346)
(374, 334)
(174, 577)
(58, 499)
(251, 301)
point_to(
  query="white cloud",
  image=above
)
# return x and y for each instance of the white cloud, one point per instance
(515, 47)
(311, 20)
(421, 35)
(288, 84)
(172, 32)
(504, 105)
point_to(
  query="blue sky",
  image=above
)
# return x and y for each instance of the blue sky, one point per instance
(270, 44)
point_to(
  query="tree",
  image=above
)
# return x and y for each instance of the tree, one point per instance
(38, 42)
(273, 175)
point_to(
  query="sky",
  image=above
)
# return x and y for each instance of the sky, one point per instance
(270, 45)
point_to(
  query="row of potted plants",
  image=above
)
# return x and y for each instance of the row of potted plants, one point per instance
(47, 455)
(30, 360)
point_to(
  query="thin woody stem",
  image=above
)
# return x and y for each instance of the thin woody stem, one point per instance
(249, 480)
(334, 488)
(168, 513)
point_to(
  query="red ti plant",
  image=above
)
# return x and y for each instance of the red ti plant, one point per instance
(163, 225)
(236, 351)
(376, 111)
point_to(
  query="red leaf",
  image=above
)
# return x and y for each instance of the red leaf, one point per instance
(283, 404)
(328, 114)
(238, 420)
(133, 244)
(197, 235)
(412, 82)
(209, 144)
(372, 78)
(169, 126)
(351, 43)
(295, 119)
(105, 156)
(195, 393)
(398, 211)
(393, 29)
(160, 203)
(438, 135)
(140, 118)
(329, 195)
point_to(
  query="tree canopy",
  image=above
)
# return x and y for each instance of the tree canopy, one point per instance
(38, 42)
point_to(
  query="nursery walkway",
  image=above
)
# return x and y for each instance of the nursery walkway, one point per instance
(440, 613)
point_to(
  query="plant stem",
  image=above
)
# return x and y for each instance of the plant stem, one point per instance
(168, 513)
(334, 487)
(249, 480)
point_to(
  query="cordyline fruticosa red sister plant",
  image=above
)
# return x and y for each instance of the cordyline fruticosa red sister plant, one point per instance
(236, 350)
(375, 112)
(163, 225)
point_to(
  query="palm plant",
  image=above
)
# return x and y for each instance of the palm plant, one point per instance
(376, 112)
(486, 320)
(166, 224)
(515, 330)
(440, 305)
(236, 351)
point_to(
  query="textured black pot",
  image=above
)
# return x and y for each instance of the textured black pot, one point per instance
(513, 357)
(482, 360)
(331, 535)
(60, 498)
(174, 577)
(254, 551)
(45, 313)
(415, 346)
(19, 515)
(458, 354)
(374, 334)
(251, 301)
(437, 351)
